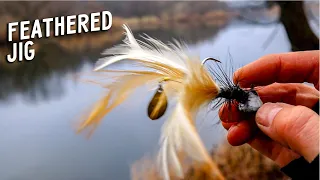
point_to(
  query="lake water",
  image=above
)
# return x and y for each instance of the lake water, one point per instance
(38, 112)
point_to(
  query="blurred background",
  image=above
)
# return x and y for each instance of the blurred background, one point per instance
(40, 103)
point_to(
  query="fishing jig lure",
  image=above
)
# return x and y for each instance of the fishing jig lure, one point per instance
(180, 78)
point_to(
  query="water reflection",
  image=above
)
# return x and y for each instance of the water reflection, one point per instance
(38, 141)
(42, 78)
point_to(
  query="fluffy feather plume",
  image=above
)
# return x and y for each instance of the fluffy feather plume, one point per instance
(185, 79)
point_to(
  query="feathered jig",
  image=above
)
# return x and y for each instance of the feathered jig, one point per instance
(181, 78)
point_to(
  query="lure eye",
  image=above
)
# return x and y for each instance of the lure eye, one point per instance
(158, 104)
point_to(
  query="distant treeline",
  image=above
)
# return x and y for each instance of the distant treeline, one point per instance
(29, 10)
(159, 8)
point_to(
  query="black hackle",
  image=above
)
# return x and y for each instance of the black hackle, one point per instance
(234, 93)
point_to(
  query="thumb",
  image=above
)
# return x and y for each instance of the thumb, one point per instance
(296, 127)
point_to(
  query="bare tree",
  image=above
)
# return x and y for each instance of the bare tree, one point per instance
(294, 19)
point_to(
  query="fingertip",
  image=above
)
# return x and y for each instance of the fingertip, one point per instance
(238, 76)
(241, 133)
(233, 136)
(223, 113)
(229, 113)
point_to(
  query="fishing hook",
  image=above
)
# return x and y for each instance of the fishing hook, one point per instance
(209, 59)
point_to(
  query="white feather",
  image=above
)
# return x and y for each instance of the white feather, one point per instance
(132, 49)
(177, 135)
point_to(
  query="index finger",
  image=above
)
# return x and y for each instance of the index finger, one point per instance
(294, 67)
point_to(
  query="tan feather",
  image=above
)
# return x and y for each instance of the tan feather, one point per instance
(118, 92)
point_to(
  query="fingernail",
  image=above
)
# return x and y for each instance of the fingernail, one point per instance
(267, 113)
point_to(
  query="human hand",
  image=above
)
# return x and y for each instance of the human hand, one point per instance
(285, 127)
